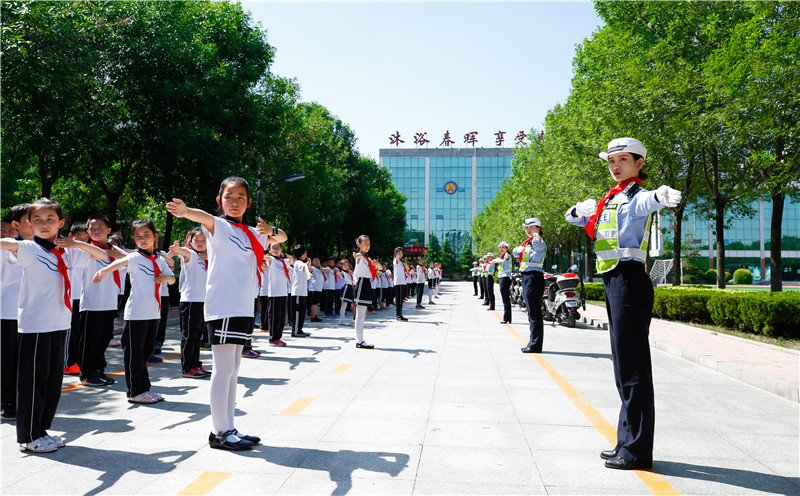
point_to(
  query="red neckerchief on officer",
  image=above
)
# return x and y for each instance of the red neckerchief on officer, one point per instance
(602, 203)
(258, 250)
(62, 267)
(156, 272)
(111, 259)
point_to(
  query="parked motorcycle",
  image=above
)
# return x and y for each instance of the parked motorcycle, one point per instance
(516, 290)
(561, 298)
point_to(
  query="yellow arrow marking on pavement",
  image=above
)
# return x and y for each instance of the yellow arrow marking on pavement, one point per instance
(205, 483)
(342, 368)
(298, 406)
(655, 482)
(386, 333)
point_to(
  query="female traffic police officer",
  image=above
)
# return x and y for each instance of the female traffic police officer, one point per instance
(620, 225)
(531, 257)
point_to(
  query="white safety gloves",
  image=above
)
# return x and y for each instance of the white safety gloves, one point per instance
(586, 208)
(668, 197)
(536, 237)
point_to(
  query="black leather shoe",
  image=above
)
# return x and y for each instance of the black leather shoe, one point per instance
(420, 307)
(365, 346)
(528, 349)
(505, 322)
(402, 318)
(252, 439)
(608, 454)
(301, 334)
(623, 464)
(220, 441)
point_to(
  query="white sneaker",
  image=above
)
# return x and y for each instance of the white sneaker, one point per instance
(41, 445)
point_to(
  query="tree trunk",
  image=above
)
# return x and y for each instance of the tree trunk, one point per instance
(720, 235)
(44, 178)
(676, 246)
(775, 234)
(167, 239)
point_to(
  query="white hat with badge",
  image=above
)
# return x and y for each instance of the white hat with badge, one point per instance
(533, 221)
(624, 145)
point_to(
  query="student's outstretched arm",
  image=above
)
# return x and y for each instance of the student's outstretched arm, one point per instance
(8, 244)
(176, 250)
(115, 265)
(275, 235)
(96, 252)
(179, 209)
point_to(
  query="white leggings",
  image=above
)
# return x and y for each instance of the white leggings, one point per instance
(361, 314)
(225, 374)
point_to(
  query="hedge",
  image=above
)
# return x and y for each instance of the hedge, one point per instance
(742, 276)
(766, 313)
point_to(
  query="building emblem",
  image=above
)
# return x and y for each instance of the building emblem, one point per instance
(450, 187)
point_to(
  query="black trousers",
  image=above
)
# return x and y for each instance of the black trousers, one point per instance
(263, 300)
(161, 335)
(297, 306)
(481, 287)
(532, 291)
(399, 293)
(420, 292)
(505, 294)
(9, 348)
(193, 326)
(490, 291)
(39, 375)
(475, 284)
(138, 340)
(328, 296)
(74, 336)
(276, 315)
(629, 305)
(97, 328)
(289, 311)
(338, 307)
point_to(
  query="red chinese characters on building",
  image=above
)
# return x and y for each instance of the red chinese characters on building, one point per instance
(471, 138)
(420, 139)
(520, 136)
(394, 139)
(447, 141)
(499, 137)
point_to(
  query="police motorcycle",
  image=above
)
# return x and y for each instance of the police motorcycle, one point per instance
(561, 298)
(517, 298)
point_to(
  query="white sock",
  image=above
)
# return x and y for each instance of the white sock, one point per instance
(225, 360)
(361, 314)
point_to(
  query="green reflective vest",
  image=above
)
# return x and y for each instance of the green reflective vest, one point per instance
(606, 240)
(525, 263)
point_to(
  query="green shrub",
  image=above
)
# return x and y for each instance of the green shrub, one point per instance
(742, 276)
(595, 291)
(685, 305)
(727, 276)
(771, 314)
(711, 276)
(723, 308)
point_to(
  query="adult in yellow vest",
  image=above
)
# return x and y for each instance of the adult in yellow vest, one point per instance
(502, 270)
(531, 260)
(620, 225)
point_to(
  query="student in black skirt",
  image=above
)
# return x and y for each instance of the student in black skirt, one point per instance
(364, 272)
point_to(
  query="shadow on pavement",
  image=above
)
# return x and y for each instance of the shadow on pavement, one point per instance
(755, 481)
(252, 384)
(414, 353)
(576, 354)
(293, 361)
(319, 349)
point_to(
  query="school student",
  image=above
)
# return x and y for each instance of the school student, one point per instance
(420, 283)
(77, 232)
(315, 285)
(235, 255)
(161, 333)
(301, 273)
(277, 279)
(399, 283)
(16, 226)
(620, 225)
(147, 271)
(363, 274)
(99, 304)
(44, 316)
(337, 301)
(328, 287)
(347, 293)
(192, 287)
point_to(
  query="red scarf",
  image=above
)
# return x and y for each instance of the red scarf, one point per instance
(62, 267)
(258, 250)
(156, 273)
(372, 269)
(523, 249)
(602, 203)
(116, 272)
(285, 267)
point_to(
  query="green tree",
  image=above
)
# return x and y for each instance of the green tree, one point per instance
(465, 259)
(448, 259)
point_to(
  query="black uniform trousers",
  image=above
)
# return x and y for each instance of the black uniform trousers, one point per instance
(97, 329)
(74, 343)
(276, 316)
(629, 305)
(39, 375)
(505, 294)
(328, 296)
(9, 346)
(161, 335)
(297, 306)
(490, 291)
(264, 300)
(532, 291)
(475, 285)
(399, 296)
(193, 326)
(420, 292)
(138, 340)
(480, 287)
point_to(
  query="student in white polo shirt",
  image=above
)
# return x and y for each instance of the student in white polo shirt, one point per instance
(399, 283)
(277, 280)
(44, 316)
(147, 271)
(301, 273)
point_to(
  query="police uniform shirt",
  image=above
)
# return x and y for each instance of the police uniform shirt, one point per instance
(536, 255)
(503, 266)
(104, 295)
(192, 284)
(10, 280)
(299, 278)
(632, 216)
(275, 278)
(41, 292)
(232, 282)
(142, 303)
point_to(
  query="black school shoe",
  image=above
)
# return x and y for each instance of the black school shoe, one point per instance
(401, 318)
(220, 441)
(252, 439)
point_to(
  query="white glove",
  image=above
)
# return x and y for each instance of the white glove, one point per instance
(586, 208)
(536, 237)
(668, 197)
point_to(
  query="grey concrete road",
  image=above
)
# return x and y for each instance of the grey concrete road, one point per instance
(445, 404)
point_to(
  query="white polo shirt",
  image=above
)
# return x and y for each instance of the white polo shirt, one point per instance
(277, 282)
(329, 279)
(399, 273)
(299, 278)
(41, 295)
(10, 280)
(316, 281)
(142, 303)
(103, 296)
(192, 283)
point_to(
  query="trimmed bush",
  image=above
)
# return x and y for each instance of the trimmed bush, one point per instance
(595, 291)
(711, 276)
(742, 276)
(771, 314)
(723, 308)
(688, 305)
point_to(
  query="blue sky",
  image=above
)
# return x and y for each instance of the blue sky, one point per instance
(429, 67)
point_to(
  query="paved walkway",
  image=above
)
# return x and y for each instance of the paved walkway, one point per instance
(446, 404)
